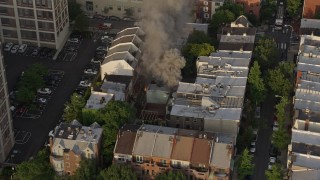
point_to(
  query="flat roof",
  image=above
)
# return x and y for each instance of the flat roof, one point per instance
(224, 61)
(307, 161)
(164, 142)
(306, 137)
(311, 116)
(144, 141)
(226, 80)
(304, 148)
(310, 23)
(221, 155)
(129, 47)
(309, 174)
(232, 54)
(201, 151)
(308, 94)
(237, 39)
(116, 88)
(238, 31)
(236, 46)
(202, 112)
(182, 148)
(308, 68)
(130, 31)
(98, 100)
(304, 104)
(125, 142)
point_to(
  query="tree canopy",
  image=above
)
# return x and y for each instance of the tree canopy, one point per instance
(73, 108)
(293, 7)
(245, 166)
(37, 168)
(221, 17)
(256, 85)
(74, 10)
(118, 172)
(266, 53)
(82, 22)
(86, 170)
(275, 173)
(281, 138)
(171, 176)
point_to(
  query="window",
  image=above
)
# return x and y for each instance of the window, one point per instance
(119, 8)
(67, 157)
(139, 10)
(139, 159)
(121, 158)
(164, 162)
(142, 171)
(195, 120)
(111, 7)
(152, 172)
(217, 4)
(147, 171)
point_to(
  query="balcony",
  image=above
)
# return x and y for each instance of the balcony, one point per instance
(200, 169)
(162, 164)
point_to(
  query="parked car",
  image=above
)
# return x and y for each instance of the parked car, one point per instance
(8, 47)
(275, 126)
(273, 151)
(35, 52)
(93, 60)
(103, 38)
(14, 49)
(90, 71)
(74, 40)
(128, 19)
(272, 161)
(255, 135)
(22, 48)
(42, 100)
(84, 84)
(114, 18)
(44, 91)
(101, 48)
(253, 147)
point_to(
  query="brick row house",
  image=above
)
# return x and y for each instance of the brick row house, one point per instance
(151, 150)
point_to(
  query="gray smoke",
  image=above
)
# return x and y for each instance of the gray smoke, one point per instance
(163, 22)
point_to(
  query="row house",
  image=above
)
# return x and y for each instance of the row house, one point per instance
(304, 151)
(310, 8)
(70, 143)
(151, 150)
(121, 64)
(204, 9)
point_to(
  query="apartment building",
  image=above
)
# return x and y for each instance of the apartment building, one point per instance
(112, 7)
(6, 128)
(151, 150)
(39, 23)
(303, 151)
(73, 142)
(251, 6)
(204, 9)
(310, 8)
(121, 64)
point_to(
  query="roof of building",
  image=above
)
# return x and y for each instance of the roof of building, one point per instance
(304, 104)
(206, 113)
(241, 21)
(144, 141)
(201, 151)
(182, 148)
(224, 61)
(197, 26)
(309, 174)
(114, 87)
(304, 160)
(244, 31)
(98, 100)
(125, 142)
(236, 46)
(129, 47)
(232, 54)
(311, 115)
(226, 80)
(310, 8)
(130, 31)
(164, 142)
(306, 137)
(304, 148)
(221, 155)
(126, 39)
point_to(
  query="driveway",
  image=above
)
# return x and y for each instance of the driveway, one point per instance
(37, 129)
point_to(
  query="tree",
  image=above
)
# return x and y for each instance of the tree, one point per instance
(82, 22)
(118, 172)
(198, 37)
(243, 140)
(266, 53)
(235, 8)
(37, 168)
(87, 170)
(73, 109)
(171, 176)
(220, 18)
(275, 173)
(282, 115)
(317, 15)
(245, 166)
(293, 7)
(25, 95)
(256, 85)
(128, 12)
(281, 138)
(74, 10)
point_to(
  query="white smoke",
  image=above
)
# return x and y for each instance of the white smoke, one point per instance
(163, 22)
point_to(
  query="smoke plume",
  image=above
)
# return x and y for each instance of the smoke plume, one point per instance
(163, 22)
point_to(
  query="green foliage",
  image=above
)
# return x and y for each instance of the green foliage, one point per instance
(280, 79)
(293, 7)
(74, 10)
(73, 109)
(6, 173)
(252, 18)
(317, 15)
(171, 176)
(37, 168)
(281, 138)
(25, 95)
(266, 53)
(282, 114)
(82, 22)
(117, 172)
(244, 140)
(245, 165)
(275, 173)
(256, 85)
(235, 8)
(87, 170)
(221, 17)
(198, 37)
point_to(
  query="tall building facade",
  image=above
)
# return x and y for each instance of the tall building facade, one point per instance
(43, 23)
(6, 127)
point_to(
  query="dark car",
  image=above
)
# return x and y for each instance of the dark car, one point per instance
(51, 53)
(273, 151)
(114, 18)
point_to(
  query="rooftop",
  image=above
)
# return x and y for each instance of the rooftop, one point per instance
(243, 31)
(310, 23)
(129, 47)
(130, 31)
(306, 137)
(311, 116)
(305, 174)
(163, 144)
(221, 155)
(206, 113)
(241, 21)
(304, 104)
(303, 148)
(307, 161)
(125, 142)
(232, 54)
(124, 55)
(236, 46)
(118, 89)
(201, 151)
(182, 149)
(98, 100)
(126, 39)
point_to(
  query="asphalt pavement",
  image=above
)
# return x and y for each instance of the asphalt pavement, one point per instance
(39, 128)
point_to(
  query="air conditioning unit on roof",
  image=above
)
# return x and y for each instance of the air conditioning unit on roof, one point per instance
(205, 9)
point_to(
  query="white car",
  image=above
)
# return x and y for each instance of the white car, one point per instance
(253, 147)
(84, 84)
(44, 91)
(14, 49)
(275, 126)
(74, 40)
(101, 48)
(42, 100)
(8, 47)
(22, 48)
(255, 135)
(95, 60)
(106, 38)
(90, 71)
(273, 160)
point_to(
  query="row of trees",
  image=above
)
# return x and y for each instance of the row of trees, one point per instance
(30, 81)
(78, 16)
